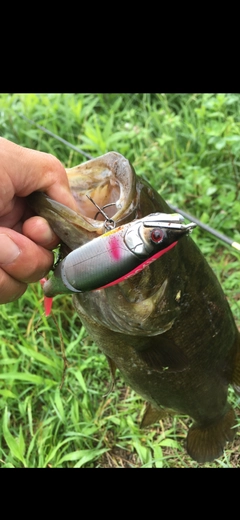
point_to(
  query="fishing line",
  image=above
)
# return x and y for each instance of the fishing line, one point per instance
(207, 228)
(222, 237)
(70, 145)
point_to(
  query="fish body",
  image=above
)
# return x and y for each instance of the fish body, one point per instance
(169, 328)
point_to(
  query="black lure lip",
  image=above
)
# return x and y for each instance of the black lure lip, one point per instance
(177, 234)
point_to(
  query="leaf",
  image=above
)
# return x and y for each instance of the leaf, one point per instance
(158, 456)
(7, 393)
(204, 218)
(143, 452)
(17, 448)
(220, 144)
(170, 443)
(40, 357)
(31, 378)
(82, 456)
(59, 405)
(233, 139)
(22, 445)
(80, 379)
(211, 190)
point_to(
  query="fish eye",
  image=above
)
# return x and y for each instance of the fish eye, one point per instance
(157, 235)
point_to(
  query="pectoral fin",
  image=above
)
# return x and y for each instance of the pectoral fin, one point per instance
(163, 354)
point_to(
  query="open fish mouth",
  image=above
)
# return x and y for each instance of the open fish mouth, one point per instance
(110, 182)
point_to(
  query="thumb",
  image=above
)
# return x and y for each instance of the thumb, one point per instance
(20, 258)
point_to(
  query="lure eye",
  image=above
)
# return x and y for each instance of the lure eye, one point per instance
(157, 235)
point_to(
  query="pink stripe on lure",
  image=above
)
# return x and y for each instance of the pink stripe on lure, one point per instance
(115, 248)
(139, 268)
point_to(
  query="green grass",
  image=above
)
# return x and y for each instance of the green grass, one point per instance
(188, 147)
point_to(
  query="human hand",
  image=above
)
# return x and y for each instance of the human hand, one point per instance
(25, 240)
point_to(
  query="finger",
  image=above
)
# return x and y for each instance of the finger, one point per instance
(39, 231)
(10, 289)
(21, 258)
(11, 213)
(25, 170)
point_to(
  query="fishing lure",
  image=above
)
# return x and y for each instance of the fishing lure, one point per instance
(47, 301)
(118, 254)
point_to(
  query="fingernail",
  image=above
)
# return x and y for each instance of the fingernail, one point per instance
(8, 250)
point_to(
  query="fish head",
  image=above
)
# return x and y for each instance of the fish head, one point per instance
(111, 183)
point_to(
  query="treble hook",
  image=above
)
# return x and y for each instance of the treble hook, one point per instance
(109, 223)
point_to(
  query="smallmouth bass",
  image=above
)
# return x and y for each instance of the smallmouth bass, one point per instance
(169, 328)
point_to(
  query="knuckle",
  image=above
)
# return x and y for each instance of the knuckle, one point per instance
(10, 289)
(55, 166)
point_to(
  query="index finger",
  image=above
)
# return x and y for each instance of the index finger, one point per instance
(24, 170)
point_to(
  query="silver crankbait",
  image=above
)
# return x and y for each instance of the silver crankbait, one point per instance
(117, 254)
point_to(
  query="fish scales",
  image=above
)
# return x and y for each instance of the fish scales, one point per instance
(169, 329)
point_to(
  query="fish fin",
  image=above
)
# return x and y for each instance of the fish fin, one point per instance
(163, 355)
(205, 444)
(152, 415)
(236, 373)
(113, 368)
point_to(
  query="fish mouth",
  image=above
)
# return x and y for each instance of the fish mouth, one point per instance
(110, 181)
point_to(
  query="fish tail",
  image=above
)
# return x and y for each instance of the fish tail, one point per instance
(206, 443)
